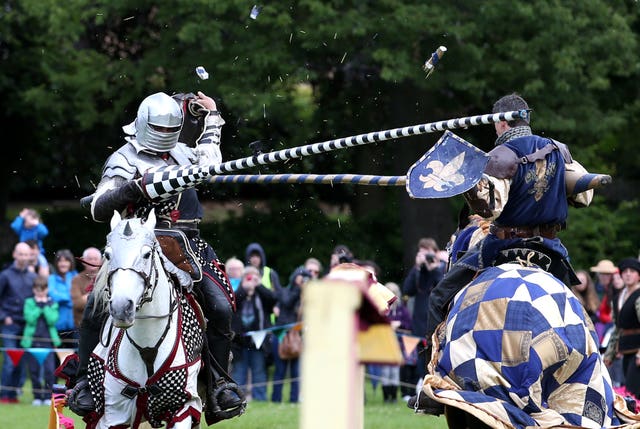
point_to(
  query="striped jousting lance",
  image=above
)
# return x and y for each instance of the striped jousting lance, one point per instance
(363, 139)
(316, 179)
(171, 180)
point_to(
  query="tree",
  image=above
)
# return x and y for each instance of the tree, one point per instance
(313, 70)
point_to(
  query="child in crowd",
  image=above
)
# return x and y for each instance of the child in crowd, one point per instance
(28, 227)
(41, 315)
(64, 270)
(38, 263)
(234, 268)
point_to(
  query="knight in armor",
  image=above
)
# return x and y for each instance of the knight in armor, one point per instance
(523, 197)
(183, 130)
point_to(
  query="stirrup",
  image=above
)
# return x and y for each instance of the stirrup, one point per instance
(234, 410)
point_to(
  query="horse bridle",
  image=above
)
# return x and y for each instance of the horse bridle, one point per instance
(150, 284)
(148, 354)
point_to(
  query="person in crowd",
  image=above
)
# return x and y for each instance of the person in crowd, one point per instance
(64, 270)
(419, 282)
(626, 337)
(82, 283)
(341, 254)
(586, 293)
(38, 263)
(610, 281)
(400, 320)
(524, 194)
(373, 370)
(255, 304)
(41, 315)
(28, 226)
(314, 267)
(369, 265)
(256, 257)
(16, 285)
(182, 130)
(604, 270)
(234, 268)
(288, 301)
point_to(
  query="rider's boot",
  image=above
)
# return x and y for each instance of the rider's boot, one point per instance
(227, 394)
(79, 398)
(424, 404)
(227, 398)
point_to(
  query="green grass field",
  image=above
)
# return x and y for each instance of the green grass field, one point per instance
(259, 415)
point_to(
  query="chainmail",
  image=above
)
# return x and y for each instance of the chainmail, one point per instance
(513, 133)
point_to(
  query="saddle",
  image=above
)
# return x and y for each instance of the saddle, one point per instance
(534, 253)
(176, 247)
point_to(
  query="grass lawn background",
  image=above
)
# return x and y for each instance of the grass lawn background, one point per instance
(259, 415)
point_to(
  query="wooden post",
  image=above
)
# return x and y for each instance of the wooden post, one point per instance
(331, 376)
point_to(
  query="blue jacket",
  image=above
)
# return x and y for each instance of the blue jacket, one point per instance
(535, 197)
(60, 291)
(15, 287)
(38, 233)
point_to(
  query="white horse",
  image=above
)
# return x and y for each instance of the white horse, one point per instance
(146, 365)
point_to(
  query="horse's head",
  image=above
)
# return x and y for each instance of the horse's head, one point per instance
(130, 252)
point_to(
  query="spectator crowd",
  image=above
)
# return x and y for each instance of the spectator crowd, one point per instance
(43, 295)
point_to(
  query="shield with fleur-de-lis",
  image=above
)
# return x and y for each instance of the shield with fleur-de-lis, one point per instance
(451, 167)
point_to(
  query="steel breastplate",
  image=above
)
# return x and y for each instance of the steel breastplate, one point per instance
(129, 163)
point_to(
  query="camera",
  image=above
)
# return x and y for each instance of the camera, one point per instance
(344, 258)
(430, 258)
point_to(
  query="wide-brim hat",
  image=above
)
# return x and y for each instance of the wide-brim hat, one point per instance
(605, 266)
(632, 263)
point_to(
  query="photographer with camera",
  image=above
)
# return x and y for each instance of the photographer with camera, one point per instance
(422, 278)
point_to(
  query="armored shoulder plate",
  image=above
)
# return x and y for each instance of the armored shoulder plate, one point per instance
(129, 163)
(120, 164)
(503, 163)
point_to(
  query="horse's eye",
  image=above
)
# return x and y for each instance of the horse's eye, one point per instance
(146, 252)
(107, 253)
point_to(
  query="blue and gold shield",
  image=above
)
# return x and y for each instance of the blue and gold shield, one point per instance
(451, 167)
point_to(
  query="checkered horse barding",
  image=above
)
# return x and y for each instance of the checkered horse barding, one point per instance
(518, 350)
(146, 366)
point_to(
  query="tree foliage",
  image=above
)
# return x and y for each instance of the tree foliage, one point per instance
(312, 70)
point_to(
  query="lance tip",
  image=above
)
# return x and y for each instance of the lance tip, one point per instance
(431, 62)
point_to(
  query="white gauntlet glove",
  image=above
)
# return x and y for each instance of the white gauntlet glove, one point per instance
(208, 142)
(207, 154)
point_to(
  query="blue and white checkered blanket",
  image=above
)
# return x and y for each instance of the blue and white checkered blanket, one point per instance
(518, 350)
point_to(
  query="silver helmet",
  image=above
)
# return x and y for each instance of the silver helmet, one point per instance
(158, 123)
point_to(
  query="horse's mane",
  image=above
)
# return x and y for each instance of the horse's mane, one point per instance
(99, 289)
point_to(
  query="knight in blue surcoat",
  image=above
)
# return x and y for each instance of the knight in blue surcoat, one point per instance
(523, 197)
